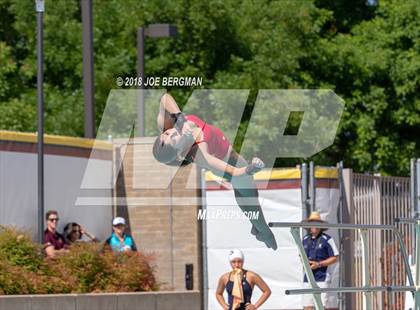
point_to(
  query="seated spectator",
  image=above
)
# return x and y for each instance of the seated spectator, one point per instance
(73, 232)
(119, 240)
(54, 243)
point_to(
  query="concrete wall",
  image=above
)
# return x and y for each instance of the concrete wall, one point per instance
(121, 301)
(64, 172)
(169, 229)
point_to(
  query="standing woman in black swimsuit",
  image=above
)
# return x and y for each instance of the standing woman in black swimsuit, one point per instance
(239, 284)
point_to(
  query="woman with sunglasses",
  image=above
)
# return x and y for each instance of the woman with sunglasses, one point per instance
(187, 139)
(73, 232)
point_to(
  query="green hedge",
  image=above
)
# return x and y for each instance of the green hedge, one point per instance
(86, 268)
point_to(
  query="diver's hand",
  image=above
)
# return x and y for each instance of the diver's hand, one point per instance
(255, 166)
(187, 129)
(179, 120)
(187, 139)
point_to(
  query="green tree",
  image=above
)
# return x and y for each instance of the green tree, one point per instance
(375, 68)
(367, 53)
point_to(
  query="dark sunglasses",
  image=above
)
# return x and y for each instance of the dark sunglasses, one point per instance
(55, 219)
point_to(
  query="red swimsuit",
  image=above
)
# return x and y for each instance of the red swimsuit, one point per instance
(218, 144)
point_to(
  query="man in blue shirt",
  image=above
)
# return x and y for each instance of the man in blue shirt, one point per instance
(119, 240)
(322, 252)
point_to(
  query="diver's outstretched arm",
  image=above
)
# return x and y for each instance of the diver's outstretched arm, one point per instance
(167, 107)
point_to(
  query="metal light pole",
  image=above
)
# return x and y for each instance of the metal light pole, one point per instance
(88, 84)
(312, 186)
(304, 185)
(39, 8)
(151, 31)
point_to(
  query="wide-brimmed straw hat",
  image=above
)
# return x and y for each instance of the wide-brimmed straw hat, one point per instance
(315, 217)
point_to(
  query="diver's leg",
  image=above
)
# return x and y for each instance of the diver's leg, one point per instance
(246, 195)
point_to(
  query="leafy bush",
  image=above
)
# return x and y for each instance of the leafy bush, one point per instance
(131, 272)
(86, 263)
(9, 283)
(17, 248)
(86, 268)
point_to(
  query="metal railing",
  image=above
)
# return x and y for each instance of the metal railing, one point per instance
(366, 288)
(379, 199)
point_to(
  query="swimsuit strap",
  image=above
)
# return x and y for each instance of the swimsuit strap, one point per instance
(244, 274)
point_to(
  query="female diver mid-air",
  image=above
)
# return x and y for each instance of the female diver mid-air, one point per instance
(187, 139)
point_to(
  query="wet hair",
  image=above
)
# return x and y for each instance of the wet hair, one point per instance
(185, 162)
(167, 154)
(164, 152)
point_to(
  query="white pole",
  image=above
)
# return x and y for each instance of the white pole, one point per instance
(295, 231)
(416, 208)
(204, 236)
(417, 293)
(367, 296)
